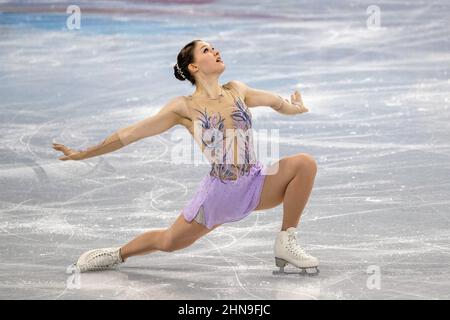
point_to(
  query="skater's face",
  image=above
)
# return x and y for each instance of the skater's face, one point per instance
(207, 59)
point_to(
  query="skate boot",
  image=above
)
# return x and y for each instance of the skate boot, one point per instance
(288, 251)
(99, 259)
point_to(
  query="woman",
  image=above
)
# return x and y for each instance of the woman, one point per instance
(230, 191)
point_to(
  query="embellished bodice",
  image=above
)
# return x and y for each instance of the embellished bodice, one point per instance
(223, 129)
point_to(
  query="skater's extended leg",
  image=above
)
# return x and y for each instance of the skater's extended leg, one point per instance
(292, 185)
(147, 242)
(180, 234)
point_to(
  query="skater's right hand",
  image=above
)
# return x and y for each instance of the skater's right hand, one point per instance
(69, 154)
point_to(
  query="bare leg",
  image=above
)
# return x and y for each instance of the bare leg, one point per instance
(180, 235)
(292, 185)
(147, 242)
(297, 194)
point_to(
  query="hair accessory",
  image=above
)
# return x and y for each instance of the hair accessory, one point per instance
(180, 72)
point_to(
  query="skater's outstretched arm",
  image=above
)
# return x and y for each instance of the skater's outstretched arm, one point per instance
(255, 97)
(166, 118)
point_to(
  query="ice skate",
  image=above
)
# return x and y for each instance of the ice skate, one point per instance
(288, 251)
(99, 259)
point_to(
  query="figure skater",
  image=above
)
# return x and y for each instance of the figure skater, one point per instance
(231, 190)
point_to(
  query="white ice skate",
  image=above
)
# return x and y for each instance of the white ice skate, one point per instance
(288, 251)
(99, 259)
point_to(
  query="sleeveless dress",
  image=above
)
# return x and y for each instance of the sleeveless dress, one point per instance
(232, 189)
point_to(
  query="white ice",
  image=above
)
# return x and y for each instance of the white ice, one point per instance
(378, 127)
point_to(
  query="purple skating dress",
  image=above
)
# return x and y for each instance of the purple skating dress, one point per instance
(232, 189)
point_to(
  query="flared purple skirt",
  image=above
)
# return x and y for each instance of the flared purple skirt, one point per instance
(229, 201)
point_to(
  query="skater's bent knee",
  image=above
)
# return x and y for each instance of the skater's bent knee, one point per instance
(306, 163)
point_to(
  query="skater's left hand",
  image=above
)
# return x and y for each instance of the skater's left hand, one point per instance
(297, 102)
(69, 154)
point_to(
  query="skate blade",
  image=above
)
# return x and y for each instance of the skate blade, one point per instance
(281, 263)
(303, 272)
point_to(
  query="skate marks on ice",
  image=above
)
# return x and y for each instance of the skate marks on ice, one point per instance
(378, 127)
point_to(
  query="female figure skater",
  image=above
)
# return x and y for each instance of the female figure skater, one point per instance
(230, 191)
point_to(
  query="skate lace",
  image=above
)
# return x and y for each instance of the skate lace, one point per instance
(295, 248)
(97, 257)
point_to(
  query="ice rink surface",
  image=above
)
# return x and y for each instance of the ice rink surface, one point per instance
(378, 126)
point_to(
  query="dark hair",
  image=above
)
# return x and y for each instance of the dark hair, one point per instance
(184, 58)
